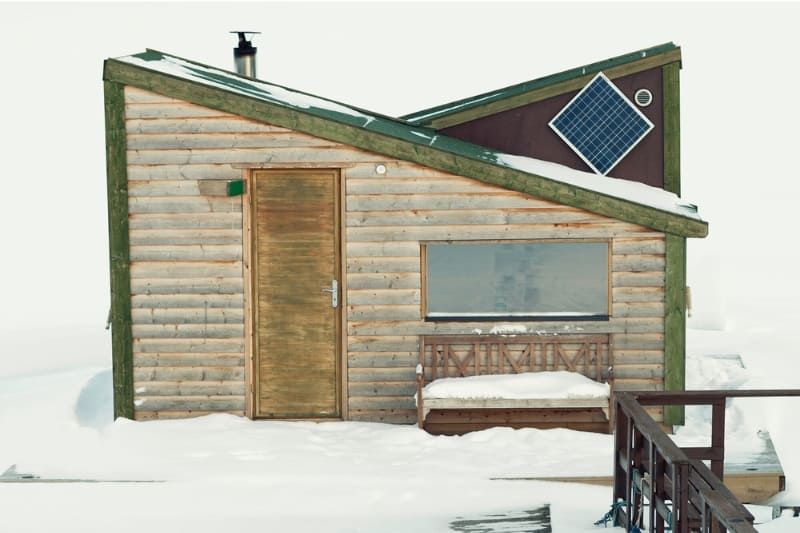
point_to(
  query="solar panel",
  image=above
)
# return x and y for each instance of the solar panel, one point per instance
(601, 125)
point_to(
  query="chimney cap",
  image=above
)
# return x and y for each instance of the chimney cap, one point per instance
(245, 47)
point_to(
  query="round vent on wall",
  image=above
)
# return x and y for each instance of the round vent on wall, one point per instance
(643, 97)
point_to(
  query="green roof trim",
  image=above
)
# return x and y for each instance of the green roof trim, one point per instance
(258, 100)
(478, 106)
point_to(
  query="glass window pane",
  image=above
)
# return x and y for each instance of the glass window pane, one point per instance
(517, 279)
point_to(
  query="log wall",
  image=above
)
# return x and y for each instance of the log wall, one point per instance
(187, 255)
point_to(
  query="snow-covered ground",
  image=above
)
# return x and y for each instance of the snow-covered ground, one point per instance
(224, 473)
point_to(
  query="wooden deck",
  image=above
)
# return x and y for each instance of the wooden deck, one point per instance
(752, 478)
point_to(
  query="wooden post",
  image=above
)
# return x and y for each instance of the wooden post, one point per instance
(718, 436)
(119, 250)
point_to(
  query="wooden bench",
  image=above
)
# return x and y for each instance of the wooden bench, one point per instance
(474, 355)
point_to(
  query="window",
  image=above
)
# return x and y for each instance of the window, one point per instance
(516, 280)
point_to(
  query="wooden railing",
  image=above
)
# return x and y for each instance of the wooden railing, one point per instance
(683, 493)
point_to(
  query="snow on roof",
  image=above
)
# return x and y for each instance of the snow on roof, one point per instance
(618, 188)
(527, 385)
(633, 192)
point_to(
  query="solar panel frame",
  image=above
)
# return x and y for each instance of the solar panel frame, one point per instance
(589, 124)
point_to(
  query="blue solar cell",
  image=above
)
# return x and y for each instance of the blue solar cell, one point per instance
(601, 124)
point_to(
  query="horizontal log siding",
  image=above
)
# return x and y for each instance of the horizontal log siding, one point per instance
(186, 257)
(186, 250)
(388, 216)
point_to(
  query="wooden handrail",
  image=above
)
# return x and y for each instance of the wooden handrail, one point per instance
(683, 493)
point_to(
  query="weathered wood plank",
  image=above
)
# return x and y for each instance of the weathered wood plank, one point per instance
(624, 246)
(188, 316)
(188, 388)
(134, 95)
(188, 331)
(185, 204)
(182, 302)
(452, 185)
(394, 169)
(190, 172)
(627, 357)
(174, 109)
(474, 232)
(638, 279)
(188, 359)
(170, 286)
(399, 280)
(382, 359)
(210, 403)
(638, 309)
(383, 297)
(189, 373)
(383, 388)
(382, 375)
(637, 263)
(639, 341)
(644, 384)
(177, 414)
(333, 156)
(206, 140)
(470, 217)
(386, 343)
(196, 346)
(157, 237)
(637, 294)
(167, 269)
(381, 402)
(187, 252)
(638, 371)
(222, 124)
(166, 221)
(179, 187)
(377, 265)
(396, 314)
(486, 200)
(386, 416)
(383, 249)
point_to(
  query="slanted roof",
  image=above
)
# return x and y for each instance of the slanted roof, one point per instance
(474, 107)
(259, 100)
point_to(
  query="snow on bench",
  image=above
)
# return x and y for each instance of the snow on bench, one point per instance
(473, 372)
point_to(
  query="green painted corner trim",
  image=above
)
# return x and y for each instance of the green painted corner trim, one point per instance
(235, 188)
(119, 250)
(672, 127)
(675, 325)
(394, 140)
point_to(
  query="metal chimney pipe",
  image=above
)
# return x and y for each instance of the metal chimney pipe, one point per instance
(244, 55)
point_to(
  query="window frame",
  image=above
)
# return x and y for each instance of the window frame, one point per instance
(512, 318)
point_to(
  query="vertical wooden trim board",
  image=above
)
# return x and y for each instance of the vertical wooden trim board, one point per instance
(672, 127)
(119, 249)
(675, 325)
(342, 323)
(247, 282)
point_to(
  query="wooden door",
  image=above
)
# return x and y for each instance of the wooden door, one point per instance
(295, 263)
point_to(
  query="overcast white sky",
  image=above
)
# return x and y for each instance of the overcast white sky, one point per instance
(739, 114)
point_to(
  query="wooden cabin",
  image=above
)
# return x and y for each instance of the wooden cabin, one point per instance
(278, 255)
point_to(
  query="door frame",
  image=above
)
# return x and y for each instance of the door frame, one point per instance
(249, 275)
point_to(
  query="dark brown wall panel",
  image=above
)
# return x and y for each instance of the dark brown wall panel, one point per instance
(525, 131)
